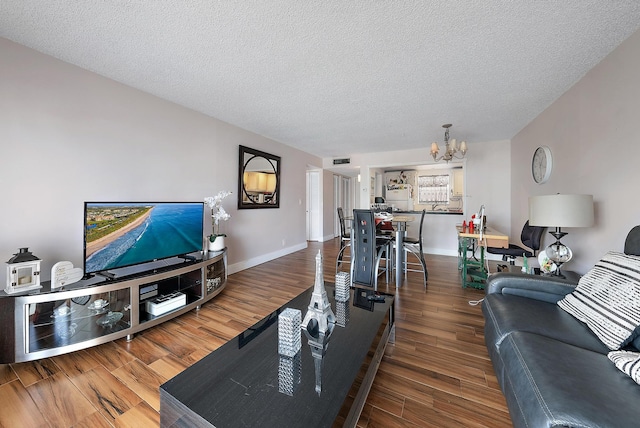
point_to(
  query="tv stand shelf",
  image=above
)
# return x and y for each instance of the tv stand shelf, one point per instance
(46, 322)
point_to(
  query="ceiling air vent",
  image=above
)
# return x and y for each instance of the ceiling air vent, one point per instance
(341, 161)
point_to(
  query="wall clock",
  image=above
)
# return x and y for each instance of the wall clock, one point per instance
(541, 164)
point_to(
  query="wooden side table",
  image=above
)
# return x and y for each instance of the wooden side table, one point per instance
(473, 271)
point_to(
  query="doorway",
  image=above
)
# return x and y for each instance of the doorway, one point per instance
(314, 231)
(342, 197)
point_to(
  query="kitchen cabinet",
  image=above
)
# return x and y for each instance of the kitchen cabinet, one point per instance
(458, 182)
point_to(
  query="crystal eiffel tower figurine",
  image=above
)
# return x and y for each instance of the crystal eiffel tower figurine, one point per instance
(319, 322)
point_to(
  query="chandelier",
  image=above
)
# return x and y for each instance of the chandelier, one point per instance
(451, 148)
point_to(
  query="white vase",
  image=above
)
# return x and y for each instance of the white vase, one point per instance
(217, 244)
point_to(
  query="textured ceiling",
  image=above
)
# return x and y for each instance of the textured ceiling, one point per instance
(337, 77)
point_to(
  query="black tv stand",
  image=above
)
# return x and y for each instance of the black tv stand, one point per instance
(105, 307)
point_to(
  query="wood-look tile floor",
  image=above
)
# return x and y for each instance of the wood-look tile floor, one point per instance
(437, 374)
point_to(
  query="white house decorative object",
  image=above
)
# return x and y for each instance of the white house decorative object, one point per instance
(23, 272)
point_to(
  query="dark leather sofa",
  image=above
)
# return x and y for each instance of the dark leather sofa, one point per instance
(553, 371)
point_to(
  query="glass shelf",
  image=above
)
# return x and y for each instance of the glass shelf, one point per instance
(215, 276)
(65, 322)
(189, 284)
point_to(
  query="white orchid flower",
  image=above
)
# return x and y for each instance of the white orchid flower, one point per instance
(217, 212)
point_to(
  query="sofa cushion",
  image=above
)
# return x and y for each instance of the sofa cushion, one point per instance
(607, 299)
(627, 362)
(506, 313)
(549, 383)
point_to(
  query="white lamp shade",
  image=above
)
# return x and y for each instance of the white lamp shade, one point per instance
(252, 181)
(453, 144)
(271, 183)
(434, 148)
(561, 210)
(262, 182)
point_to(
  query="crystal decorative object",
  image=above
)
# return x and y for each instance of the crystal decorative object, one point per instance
(342, 313)
(289, 373)
(559, 253)
(343, 286)
(319, 322)
(289, 334)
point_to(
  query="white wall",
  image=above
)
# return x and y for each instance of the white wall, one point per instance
(68, 135)
(594, 135)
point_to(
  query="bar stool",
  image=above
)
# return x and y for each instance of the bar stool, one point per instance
(414, 246)
(345, 240)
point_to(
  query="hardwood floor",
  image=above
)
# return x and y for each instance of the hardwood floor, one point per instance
(437, 374)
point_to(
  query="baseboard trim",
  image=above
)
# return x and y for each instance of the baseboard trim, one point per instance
(246, 264)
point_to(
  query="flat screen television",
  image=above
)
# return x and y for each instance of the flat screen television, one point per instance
(121, 234)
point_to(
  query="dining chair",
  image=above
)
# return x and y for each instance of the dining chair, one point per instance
(530, 236)
(367, 250)
(414, 246)
(345, 240)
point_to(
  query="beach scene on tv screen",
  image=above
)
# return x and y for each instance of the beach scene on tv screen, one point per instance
(118, 234)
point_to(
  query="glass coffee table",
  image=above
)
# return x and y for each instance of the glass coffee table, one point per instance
(247, 383)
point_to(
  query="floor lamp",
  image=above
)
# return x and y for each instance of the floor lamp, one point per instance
(560, 211)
